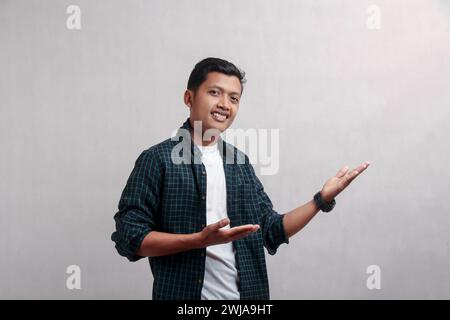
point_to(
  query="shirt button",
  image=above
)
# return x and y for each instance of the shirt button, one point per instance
(203, 197)
(199, 280)
(204, 173)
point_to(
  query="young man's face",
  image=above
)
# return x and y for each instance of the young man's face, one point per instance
(215, 102)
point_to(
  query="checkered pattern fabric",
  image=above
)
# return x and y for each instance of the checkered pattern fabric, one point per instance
(169, 197)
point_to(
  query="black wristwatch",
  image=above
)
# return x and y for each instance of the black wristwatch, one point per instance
(324, 206)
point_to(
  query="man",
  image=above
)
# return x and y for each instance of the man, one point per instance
(204, 222)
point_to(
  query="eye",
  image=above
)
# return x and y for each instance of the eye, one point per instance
(235, 100)
(214, 92)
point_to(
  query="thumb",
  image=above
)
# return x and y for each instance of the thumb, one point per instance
(219, 224)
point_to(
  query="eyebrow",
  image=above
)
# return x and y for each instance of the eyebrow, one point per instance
(222, 89)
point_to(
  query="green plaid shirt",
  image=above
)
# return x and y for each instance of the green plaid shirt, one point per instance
(168, 197)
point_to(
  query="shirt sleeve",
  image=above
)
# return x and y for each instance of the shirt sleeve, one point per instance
(138, 206)
(272, 226)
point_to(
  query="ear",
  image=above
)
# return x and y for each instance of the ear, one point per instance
(188, 96)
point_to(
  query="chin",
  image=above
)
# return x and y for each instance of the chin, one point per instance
(213, 124)
(218, 127)
(221, 127)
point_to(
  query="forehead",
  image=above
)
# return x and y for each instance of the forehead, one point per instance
(231, 84)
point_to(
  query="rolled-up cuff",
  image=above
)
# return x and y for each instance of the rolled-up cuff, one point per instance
(127, 247)
(277, 235)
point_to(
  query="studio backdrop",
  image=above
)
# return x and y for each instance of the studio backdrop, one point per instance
(86, 86)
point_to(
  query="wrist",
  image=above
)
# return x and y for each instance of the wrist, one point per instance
(323, 204)
(325, 198)
(195, 240)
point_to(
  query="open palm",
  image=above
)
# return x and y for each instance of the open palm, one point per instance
(340, 181)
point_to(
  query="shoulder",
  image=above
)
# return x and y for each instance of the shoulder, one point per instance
(158, 153)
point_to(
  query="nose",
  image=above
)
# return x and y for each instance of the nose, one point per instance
(223, 103)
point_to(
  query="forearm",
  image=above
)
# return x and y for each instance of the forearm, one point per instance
(295, 220)
(161, 244)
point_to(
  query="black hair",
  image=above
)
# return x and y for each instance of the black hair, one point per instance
(202, 68)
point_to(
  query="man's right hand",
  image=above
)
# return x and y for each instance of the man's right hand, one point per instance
(213, 233)
(157, 243)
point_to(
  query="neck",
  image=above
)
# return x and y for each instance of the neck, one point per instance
(198, 134)
(197, 137)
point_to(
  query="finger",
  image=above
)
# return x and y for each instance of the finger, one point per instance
(342, 172)
(365, 165)
(362, 167)
(240, 236)
(241, 229)
(244, 234)
(357, 171)
(217, 225)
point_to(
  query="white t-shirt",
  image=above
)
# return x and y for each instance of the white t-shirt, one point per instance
(221, 277)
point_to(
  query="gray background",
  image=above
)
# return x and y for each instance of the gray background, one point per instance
(78, 107)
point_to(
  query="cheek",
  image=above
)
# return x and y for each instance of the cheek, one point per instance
(233, 116)
(208, 105)
(203, 109)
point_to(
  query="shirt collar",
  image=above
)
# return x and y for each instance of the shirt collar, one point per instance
(187, 125)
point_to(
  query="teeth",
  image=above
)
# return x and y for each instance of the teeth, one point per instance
(219, 116)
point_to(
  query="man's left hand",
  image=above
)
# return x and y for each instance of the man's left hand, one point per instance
(340, 181)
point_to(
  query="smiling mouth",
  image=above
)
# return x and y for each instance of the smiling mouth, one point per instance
(219, 116)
